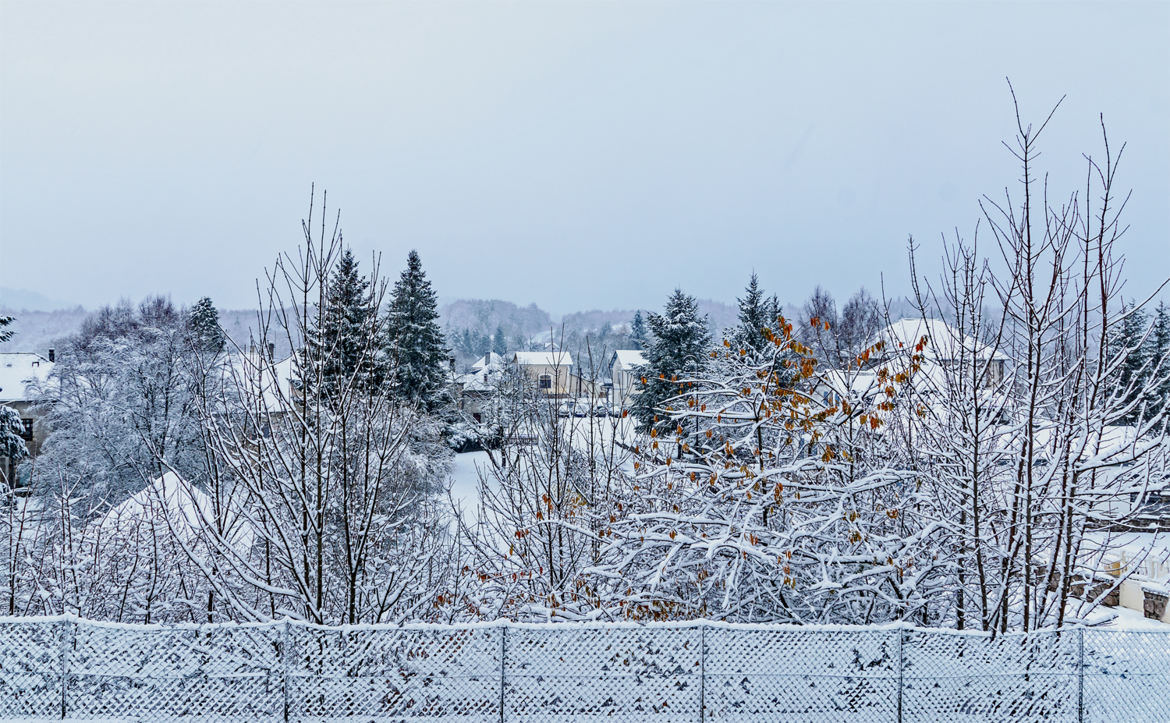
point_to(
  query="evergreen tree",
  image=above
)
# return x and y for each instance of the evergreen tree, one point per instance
(414, 339)
(483, 343)
(499, 342)
(1128, 341)
(1160, 353)
(755, 314)
(342, 344)
(679, 349)
(11, 428)
(203, 327)
(638, 331)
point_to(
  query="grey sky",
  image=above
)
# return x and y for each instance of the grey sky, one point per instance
(575, 154)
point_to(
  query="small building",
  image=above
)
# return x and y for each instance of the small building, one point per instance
(945, 348)
(623, 371)
(23, 379)
(475, 389)
(550, 370)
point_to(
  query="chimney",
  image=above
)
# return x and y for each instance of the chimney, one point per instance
(451, 363)
(52, 355)
(272, 351)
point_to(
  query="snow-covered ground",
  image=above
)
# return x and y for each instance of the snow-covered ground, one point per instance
(465, 473)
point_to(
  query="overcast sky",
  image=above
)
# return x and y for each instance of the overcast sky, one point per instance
(574, 154)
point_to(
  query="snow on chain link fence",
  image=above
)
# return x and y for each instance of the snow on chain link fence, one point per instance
(53, 668)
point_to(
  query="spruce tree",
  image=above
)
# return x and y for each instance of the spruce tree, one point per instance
(1128, 341)
(1159, 353)
(499, 342)
(638, 331)
(679, 349)
(755, 315)
(414, 339)
(203, 327)
(11, 428)
(342, 344)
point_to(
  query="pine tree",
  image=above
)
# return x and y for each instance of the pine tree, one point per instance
(203, 327)
(342, 344)
(755, 315)
(499, 342)
(679, 349)
(5, 334)
(638, 331)
(414, 339)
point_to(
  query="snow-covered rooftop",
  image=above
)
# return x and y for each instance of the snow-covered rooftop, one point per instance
(257, 373)
(943, 340)
(627, 359)
(20, 373)
(543, 358)
(176, 505)
(489, 362)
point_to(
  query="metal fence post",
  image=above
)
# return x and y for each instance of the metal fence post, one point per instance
(702, 671)
(63, 654)
(503, 659)
(1081, 674)
(285, 655)
(901, 665)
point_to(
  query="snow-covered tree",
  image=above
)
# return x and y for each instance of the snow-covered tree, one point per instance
(203, 326)
(122, 405)
(12, 444)
(755, 314)
(1159, 354)
(499, 342)
(542, 500)
(1129, 341)
(638, 331)
(336, 484)
(678, 351)
(782, 508)
(861, 318)
(341, 342)
(1025, 457)
(414, 339)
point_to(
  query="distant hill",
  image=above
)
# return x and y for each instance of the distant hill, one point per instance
(23, 299)
(487, 314)
(39, 331)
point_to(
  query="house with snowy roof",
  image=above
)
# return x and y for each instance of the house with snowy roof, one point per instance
(24, 378)
(624, 375)
(475, 389)
(550, 370)
(943, 347)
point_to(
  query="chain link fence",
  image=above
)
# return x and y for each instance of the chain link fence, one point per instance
(64, 668)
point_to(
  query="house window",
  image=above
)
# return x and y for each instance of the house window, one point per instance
(545, 381)
(27, 432)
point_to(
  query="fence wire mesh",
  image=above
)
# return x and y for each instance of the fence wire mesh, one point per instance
(65, 668)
